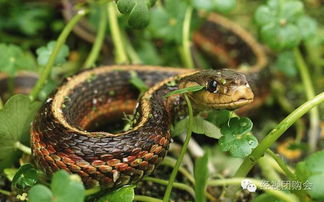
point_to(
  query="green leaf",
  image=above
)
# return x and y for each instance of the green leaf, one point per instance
(207, 5)
(139, 17)
(25, 177)
(10, 173)
(200, 126)
(31, 21)
(137, 11)
(307, 27)
(12, 59)
(179, 127)
(125, 194)
(286, 63)
(277, 20)
(281, 37)
(224, 6)
(138, 82)
(43, 54)
(185, 90)
(266, 198)
(311, 173)
(167, 22)
(237, 138)
(264, 15)
(201, 176)
(73, 189)
(40, 193)
(125, 6)
(219, 117)
(291, 10)
(15, 120)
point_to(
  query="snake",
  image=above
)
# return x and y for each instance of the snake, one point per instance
(67, 131)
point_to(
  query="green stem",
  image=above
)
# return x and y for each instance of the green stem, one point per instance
(278, 91)
(249, 161)
(176, 184)
(310, 93)
(259, 183)
(259, 151)
(282, 165)
(133, 56)
(120, 57)
(4, 192)
(146, 198)
(182, 152)
(1, 103)
(186, 43)
(91, 191)
(90, 62)
(60, 41)
(23, 148)
(268, 171)
(168, 161)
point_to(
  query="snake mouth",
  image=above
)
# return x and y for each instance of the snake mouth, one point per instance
(231, 105)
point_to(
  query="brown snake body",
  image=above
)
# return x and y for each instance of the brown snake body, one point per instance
(65, 133)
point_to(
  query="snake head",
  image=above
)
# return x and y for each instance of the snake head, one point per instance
(224, 89)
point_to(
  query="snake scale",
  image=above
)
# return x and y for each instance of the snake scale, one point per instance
(64, 134)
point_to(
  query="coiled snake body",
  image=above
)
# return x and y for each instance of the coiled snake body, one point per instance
(64, 132)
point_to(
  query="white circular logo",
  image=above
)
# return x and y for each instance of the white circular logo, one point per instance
(248, 185)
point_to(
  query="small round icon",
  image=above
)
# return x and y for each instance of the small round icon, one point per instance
(251, 187)
(248, 185)
(245, 183)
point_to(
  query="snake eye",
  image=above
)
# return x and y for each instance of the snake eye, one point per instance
(212, 86)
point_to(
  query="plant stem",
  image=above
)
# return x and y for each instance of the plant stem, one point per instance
(176, 184)
(60, 41)
(168, 161)
(23, 148)
(186, 43)
(90, 62)
(282, 165)
(91, 191)
(133, 56)
(267, 170)
(259, 183)
(310, 93)
(259, 151)
(182, 152)
(120, 53)
(5, 192)
(146, 198)
(1, 103)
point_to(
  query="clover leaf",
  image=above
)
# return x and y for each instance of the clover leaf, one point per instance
(167, 21)
(15, 120)
(237, 138)
(221, 6)
(25, 177)
(13, 58)
(44, 52)
(31, 20)
(64, 187)
(286, 63)
(137, 10)
(279, 24)
(125, 194)
(311, 173)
